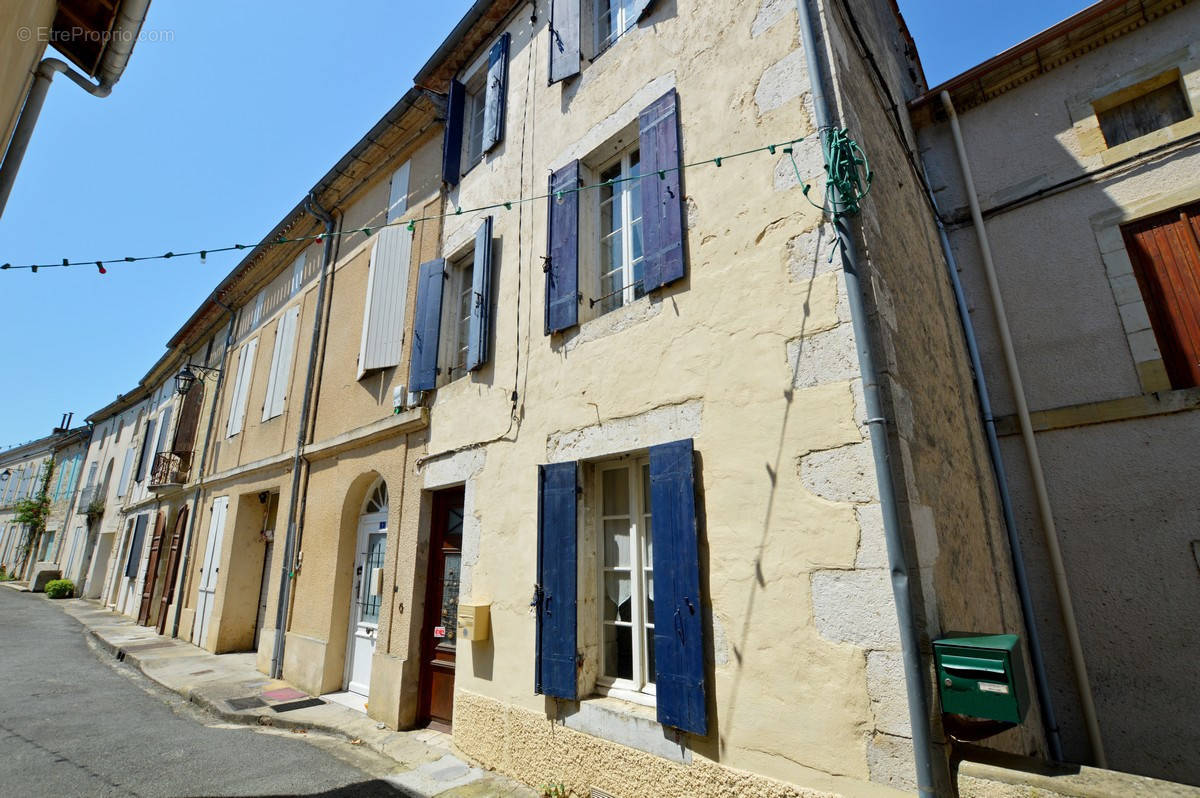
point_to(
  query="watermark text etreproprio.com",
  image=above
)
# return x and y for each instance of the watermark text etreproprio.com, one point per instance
(77, 33)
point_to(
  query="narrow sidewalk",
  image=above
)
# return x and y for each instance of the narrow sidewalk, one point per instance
(230, 687)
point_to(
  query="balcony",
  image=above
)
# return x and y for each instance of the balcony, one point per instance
(170, 470)
(87, 496)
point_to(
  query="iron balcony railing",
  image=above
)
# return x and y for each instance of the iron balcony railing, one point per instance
(87, 495)
(170, 468)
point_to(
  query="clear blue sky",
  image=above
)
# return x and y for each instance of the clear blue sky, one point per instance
(210, 137)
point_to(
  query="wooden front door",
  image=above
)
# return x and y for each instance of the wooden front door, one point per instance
(168, 591)
(1165, 252)
(440, 629)
(152, 569)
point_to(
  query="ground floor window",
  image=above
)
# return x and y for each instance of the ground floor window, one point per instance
(627, 576)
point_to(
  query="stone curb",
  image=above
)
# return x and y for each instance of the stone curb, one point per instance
(379, 744)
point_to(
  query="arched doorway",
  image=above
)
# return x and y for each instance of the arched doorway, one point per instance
(367, 595)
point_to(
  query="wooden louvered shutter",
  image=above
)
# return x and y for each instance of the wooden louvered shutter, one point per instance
(495, 96)
(662, 197)
(564, 39)
(555, 594)
(452, 135)
(1165, 252)
(679, 621)
(562, 270)
(427, 327)
(387, 300)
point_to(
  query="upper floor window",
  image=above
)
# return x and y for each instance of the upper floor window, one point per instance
(457, 319)
(1165, 252)
(475, 111)
(614, 17)
(620, 233)
(614, 244)
(452, 319)
(1142, 109)
(475, 107)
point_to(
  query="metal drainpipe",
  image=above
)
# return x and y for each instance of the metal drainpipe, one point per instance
(212, 417)
(32, 109)
(1062, 589)
(289, 544)
(1036, 657)
(914, 671)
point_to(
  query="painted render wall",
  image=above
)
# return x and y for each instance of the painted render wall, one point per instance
(944, 479)
(751, 355)
(1086, 352)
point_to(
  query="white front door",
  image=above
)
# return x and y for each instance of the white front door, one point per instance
(366, 600)
(208, 573)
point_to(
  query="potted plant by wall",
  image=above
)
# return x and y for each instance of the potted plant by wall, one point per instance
(60, 588)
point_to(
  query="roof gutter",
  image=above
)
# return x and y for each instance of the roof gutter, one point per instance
(473, 15)
(116, 57)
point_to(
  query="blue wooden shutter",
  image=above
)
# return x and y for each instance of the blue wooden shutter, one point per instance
(495, 93)
(481, 298)
(662, 197)
(562, 270)
(564, 39)
(679, 622)
(452, 135)
(135, 549)
(554, 670)
(427, 326)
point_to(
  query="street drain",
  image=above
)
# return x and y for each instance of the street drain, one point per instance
(249, 702)
(305, 704)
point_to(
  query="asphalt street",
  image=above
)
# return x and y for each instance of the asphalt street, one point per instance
(74, 724)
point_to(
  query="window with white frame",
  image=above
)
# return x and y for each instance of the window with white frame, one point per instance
(613, 18)
(627, 577)
(474, 110)
(456, 315)
(619, 233)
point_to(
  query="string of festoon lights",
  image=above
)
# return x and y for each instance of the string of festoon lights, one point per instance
(101, 264)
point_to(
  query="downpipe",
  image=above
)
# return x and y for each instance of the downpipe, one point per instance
(1036, 656)
(914, 673)
(289, 545)
(1037, 476)
(23, 132)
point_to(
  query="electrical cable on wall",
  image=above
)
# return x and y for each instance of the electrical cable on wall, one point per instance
(102, 263)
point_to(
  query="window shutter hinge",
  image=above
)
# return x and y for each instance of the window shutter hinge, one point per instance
(545, 264)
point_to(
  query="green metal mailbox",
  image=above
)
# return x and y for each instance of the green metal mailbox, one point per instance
(982, 676)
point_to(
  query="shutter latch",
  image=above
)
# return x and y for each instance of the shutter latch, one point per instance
(537, 597)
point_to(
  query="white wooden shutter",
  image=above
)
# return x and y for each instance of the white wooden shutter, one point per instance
(387, 295)
(126, 469)
(241, 388)
(281, 363)
(398, 200)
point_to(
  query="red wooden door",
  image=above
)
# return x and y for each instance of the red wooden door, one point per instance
(152, 568)
(168, 592)
(1165, 251)
(440, 629)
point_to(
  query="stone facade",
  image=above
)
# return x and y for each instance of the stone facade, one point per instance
(1112, 434)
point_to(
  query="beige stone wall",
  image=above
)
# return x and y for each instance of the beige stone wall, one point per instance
(19, 56)
(1114, 450)
(747, 356)
(955, 535)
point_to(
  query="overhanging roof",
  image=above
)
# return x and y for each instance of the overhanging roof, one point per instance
(1093, 27)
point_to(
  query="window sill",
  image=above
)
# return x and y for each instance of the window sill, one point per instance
(628, 724)
(615, 321)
